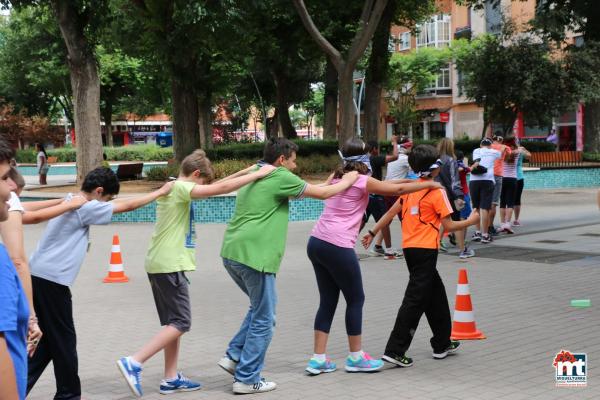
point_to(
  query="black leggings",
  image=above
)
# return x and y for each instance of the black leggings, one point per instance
(337, 269)
(519, 192)
(508, 194)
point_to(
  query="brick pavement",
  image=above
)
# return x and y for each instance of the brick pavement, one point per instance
(522, 307)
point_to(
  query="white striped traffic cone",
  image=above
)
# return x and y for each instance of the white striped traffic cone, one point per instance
(116, 273)
(463, 327)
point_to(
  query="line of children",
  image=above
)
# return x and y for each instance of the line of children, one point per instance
(423, 213)
(331, 252)
(170, 255)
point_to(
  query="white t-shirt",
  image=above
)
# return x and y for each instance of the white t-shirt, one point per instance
(62, 249)
(487, 157)
(14, 203)
(41, 159)
(397, 169)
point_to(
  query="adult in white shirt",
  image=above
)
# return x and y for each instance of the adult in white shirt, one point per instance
(481, 187)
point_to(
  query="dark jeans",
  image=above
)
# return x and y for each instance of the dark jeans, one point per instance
(54, 310)
(425, 293)
(337, 269)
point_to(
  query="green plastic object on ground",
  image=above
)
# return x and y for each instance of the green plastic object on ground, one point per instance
(581, 303)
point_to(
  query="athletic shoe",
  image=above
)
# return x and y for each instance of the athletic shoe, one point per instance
(132, 374)
(492, 231)
(452, 239)
(476, 237)
(401, 361)
(516, 222)
(258, 387)
(443, 248)
(377, 251)
(228, 364)
(453, 348)
(506, 228)
(315, 367)
(466, 253)
(486, 239)
(179, 384)
(365, 363)
(392, 254)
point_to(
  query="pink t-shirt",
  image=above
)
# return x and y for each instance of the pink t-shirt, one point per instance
(341, 218)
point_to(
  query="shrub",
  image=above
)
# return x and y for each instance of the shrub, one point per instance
(594, 157)
(162, 173)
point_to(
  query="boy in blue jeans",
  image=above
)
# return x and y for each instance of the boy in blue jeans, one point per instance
(54, 266)
(253, 246)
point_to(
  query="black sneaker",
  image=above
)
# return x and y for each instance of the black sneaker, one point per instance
(476, 237)
(486, 239)
(492, 231)
(401, 361)
(452, 239)
(453, 348)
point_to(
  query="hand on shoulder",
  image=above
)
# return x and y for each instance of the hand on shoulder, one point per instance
(265, 170)
(350, 177)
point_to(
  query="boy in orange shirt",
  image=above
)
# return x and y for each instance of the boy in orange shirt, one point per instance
(423, 213)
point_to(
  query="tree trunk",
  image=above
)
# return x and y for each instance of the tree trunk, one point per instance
(85, 85)
(377, 72)
(205, 120)
(591, 126)
(107, 115)
(287, 128)
(186, 138)
(272, 129)
(346, 107)
(331, 102)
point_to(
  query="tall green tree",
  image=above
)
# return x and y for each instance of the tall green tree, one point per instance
(409, 75)
(78, 21)
(506, 77)
(397, 12)
(345, 61)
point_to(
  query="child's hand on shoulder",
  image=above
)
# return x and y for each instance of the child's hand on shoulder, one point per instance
(77, 201)
(434, 185)
(166, 188)
(265, 170)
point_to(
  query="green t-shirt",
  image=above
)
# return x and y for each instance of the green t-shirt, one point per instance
(257, 232)
(173, 244)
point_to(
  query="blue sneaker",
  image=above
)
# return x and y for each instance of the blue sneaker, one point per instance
(132, 374)
(363, 364)
(179, 384)
(315, 367)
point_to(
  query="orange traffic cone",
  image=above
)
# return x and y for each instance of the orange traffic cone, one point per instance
(463, 327)
(115, 271)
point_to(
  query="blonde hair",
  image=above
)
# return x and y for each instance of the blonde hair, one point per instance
(197, 161)
(446, 147)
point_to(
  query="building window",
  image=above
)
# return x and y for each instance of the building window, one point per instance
(440, 84)
(405, 41)
(392, 44)
(443, 79)
(435, 32)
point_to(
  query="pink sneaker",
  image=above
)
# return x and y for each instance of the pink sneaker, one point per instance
(516, 222)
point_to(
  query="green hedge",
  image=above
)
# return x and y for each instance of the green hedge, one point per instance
(593, 157)
(241, 151)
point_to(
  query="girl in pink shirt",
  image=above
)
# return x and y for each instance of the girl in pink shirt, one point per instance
(331, 251)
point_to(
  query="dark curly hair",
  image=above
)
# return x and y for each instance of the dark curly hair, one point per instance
(101, 177)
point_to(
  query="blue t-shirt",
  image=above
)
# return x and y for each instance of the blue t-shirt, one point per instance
(14, 318)
(62, 249)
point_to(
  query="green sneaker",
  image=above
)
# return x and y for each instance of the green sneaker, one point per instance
(453, 348)
(399, 360)
(443, 248)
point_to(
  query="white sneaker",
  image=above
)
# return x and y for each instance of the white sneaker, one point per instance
(227, 364)
(259, 387)
(392, 253)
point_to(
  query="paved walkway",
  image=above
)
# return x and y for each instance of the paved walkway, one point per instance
(522, 306)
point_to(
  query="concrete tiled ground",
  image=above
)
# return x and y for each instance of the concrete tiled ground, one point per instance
(522, 307)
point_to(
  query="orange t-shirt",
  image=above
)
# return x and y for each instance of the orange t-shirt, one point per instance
(422, 214)
(499, 163)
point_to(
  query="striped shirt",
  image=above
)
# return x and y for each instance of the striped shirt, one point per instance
(509, 170)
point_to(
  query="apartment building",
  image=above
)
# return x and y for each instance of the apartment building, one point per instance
(444, 109)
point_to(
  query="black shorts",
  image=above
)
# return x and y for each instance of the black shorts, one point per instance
(508, 193)
(520, 186)
(376, 208)
(481, 194)
(172, 299)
